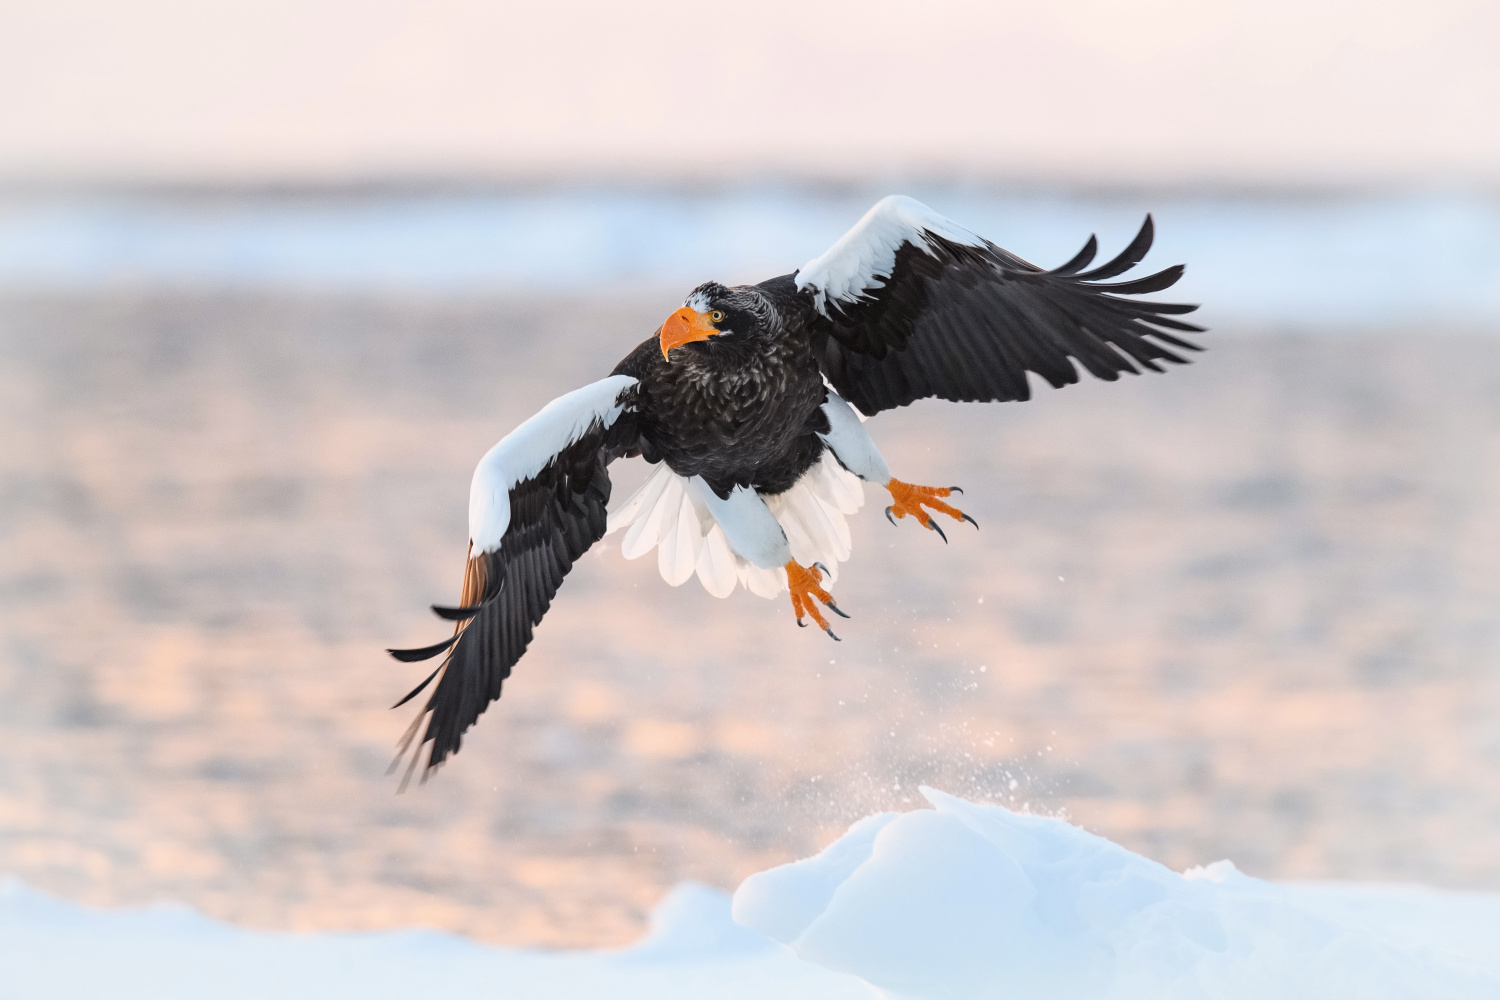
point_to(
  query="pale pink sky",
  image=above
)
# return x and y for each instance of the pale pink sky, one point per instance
(1098, 90)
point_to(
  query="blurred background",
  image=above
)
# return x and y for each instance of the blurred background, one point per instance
(274, 275)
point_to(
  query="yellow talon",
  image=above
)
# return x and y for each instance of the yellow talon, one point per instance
(803, 582)
(910, 499)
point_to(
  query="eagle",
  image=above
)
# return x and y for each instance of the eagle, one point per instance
(750, 400)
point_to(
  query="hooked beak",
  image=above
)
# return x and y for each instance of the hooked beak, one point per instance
(683, 327)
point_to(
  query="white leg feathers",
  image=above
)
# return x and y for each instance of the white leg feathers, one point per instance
(851, 442)
(749, 527)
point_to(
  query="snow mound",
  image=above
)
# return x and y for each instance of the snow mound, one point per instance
(961, 901)
(968, 900)
(55, 950)
(691, 923)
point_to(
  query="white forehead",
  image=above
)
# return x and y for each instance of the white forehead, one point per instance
(698, 302)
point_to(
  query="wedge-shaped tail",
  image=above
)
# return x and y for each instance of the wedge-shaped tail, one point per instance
(665, 514)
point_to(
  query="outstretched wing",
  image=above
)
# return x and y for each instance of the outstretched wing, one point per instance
(908, 305)
(537, 502)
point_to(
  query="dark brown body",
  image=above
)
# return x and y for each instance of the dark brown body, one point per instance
(742, 408)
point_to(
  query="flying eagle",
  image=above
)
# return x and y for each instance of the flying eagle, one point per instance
(750, 400)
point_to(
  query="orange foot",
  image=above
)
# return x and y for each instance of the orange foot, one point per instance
(803, 581)
(911, 499)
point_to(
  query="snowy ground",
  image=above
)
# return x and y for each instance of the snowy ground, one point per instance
(958, 901)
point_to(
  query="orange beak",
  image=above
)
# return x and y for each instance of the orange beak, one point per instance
(683, 327)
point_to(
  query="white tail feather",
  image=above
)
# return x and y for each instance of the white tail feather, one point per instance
(677, 553)
(647, 515)
(716, 564)
(663, 514)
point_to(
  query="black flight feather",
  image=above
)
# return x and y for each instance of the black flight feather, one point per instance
(425, 653)
(456, 614)
(1081, 259)
(418, 689)
(1128, 258)
(968, 323)
(556, 515)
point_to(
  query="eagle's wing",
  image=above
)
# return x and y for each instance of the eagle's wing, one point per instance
(908, 305)
(537, 502)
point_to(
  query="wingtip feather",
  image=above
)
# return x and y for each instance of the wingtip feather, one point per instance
(1081, 259)
(418, 689)
(451, 614)
(1132, 255)
(424, 653)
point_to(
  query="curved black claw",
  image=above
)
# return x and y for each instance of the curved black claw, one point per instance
(888, 516)
(835, 609)
(823, 568)
(955, 489)
(801, 623)
(832, 636)
(934, 526)
(966, 517)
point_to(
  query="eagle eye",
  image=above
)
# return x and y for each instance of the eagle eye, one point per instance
(717, 316)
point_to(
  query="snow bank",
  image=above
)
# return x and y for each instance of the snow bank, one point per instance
(967, 900)
(958, 901)
(53, 950)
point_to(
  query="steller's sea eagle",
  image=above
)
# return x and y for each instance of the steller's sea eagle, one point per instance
(749, 401)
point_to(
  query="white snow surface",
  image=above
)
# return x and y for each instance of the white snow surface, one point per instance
(974, 901)
(958, 901)
(52, 950)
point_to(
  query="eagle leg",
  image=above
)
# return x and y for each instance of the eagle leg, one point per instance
(910, 499)
(803, 582)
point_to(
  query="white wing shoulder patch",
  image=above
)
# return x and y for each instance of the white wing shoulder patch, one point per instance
(667, 515)
(526, 451)
(863, 257)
